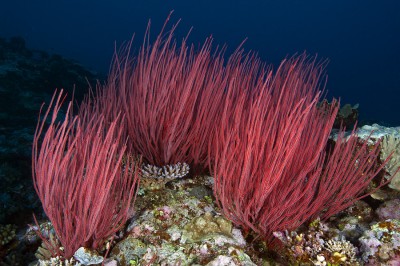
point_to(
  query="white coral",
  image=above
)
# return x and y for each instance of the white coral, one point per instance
(87, 256)
(344, 248)
(391, 145)
(174, 171)
(57, 261)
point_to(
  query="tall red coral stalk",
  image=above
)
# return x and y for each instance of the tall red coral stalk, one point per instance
(270, 164)
(85, 188)
(171, 96)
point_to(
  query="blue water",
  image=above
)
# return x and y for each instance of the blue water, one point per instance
(360, 38)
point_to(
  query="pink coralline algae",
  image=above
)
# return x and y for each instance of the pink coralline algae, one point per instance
(381, 243)
(389, 210)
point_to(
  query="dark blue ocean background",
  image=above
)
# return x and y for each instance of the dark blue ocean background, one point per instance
(361, 39)
(46, 45)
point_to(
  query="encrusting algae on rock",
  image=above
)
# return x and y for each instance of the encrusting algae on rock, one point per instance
(180, 229)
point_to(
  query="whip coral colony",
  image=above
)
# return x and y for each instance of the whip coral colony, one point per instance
(85, 190)
(259, 131)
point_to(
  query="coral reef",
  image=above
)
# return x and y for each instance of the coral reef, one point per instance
(376, 132)
(352, 222)
(178, 170)
(154, 177)
(317, 245)
(205, 227)
(390, 145)
(57, 261)
(381, 243)
(45, 229)
(342, 252)
(44, 250)
(325, 243)
(389, 210)
(87, 257)
(7, 234)
(179, 224)
(178, 228)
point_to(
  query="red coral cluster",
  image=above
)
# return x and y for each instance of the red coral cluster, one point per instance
(85, 189)
(259, 131)
(272, 171)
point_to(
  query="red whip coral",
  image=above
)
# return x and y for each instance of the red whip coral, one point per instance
(271, 168)
(85, 188)
(171, 96)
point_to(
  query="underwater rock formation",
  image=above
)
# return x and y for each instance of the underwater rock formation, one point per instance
(390, 146)
(381, 244)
